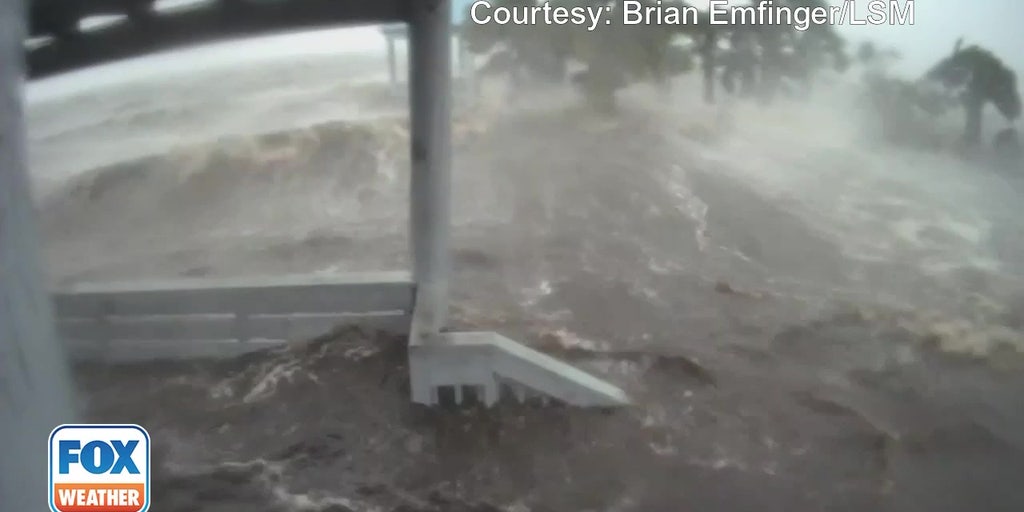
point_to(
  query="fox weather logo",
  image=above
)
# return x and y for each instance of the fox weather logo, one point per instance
(99, 468)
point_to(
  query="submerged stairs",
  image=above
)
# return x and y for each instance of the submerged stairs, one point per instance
(481, 366)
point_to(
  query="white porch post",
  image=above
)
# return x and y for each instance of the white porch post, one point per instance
(35, 388)
(430, 119)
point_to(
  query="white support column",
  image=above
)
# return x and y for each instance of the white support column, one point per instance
(467, 68)
(35, 388)
(430, 201)
(392, 62)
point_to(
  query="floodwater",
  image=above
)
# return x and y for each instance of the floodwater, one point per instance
(805, 319)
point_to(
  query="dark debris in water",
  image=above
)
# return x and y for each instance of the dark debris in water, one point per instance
(312, 427)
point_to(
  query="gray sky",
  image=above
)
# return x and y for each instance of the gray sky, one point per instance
(938, 23)
(995, 24)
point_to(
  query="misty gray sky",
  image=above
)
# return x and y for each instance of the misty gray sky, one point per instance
(938, 23)
(995, 24)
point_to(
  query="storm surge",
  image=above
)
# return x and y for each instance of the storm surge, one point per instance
(805, 319)
(325, 182)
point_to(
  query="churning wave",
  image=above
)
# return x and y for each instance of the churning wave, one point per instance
(805, 320)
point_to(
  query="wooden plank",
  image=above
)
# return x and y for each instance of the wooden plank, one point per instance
(356, 293)
(223, 327)
(220, 21)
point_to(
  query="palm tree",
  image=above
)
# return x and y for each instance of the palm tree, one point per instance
(799, 54)
(982, 78)
(785, 53)
(874, 61)
(616, 54)
(613, 56)
(509, 47)
(868, 54)
(708, 49)
(740, 63)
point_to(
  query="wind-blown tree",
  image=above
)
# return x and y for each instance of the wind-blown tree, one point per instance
(617, 55)
(905, 110)
(613, 56)
(797, 55)
(817, 48)
(875, 64)
(981, 78)
(786, 54)
(538, 51)
(740, 64)
(889, 94)
(707, 37)
(876, 59)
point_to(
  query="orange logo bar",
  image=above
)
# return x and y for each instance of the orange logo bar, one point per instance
(99, 497)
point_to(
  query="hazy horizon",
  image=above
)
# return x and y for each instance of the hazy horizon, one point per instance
(938, 23)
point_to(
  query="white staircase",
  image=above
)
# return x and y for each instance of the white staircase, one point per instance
(483, 363)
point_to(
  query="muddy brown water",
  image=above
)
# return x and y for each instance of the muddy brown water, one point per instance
(770, 369)
(328, 426)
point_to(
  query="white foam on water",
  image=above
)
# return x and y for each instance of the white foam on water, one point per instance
(879, 204)
(928, 213)
(691, 205)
